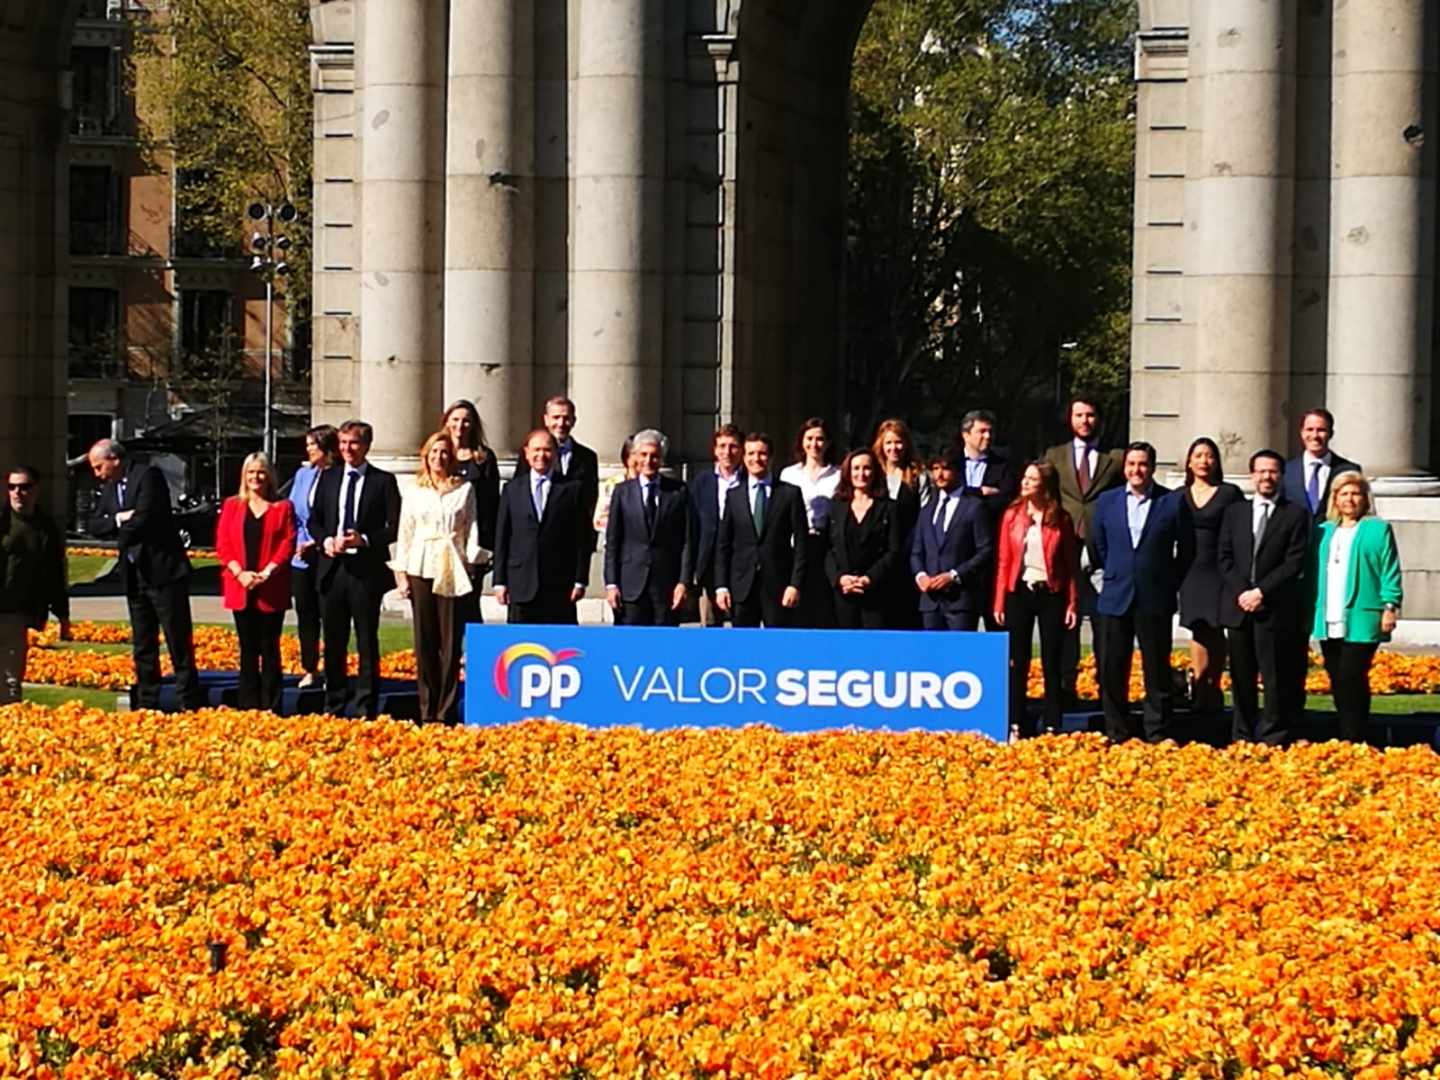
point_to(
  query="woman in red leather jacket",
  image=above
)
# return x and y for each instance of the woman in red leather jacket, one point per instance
(1035, 583)
(255, 541)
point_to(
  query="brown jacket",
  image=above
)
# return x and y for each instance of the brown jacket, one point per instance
(1109, 473)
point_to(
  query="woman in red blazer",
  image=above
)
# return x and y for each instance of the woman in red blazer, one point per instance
(255, 541)
(1035, 582)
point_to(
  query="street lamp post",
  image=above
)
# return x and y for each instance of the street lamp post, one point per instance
(268, 260)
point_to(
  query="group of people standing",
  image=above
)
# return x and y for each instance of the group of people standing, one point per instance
(881, 539)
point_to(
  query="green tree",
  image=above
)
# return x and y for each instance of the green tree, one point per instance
(991, 185)
(223, 87)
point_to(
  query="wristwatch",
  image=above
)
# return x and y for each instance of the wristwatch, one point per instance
(1393, 608)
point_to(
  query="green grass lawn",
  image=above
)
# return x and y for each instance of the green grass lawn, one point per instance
(86, 568)
(59, 695)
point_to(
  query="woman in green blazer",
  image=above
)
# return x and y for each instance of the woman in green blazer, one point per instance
(1358, 595)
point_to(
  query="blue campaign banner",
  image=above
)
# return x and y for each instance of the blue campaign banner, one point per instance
(794, 680)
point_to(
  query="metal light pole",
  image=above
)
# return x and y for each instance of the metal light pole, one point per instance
(268, 260)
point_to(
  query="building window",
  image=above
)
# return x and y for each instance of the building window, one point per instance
(95, 348)
(96, 221)
(207, 325)
(98, 95)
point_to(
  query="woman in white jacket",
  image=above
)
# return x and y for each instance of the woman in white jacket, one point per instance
(438, 543)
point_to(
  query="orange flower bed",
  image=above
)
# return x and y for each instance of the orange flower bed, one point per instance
(229, 894)
(216, 649)
(110, 553)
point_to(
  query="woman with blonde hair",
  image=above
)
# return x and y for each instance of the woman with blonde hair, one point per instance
(436, 549)
(906, 480)
(1358, 597)
(255, 541)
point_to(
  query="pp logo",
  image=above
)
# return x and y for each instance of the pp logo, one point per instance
(552, 679)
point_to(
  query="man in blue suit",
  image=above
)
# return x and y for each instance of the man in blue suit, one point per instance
(1308, 477)
(951, 555)
(1143, 538)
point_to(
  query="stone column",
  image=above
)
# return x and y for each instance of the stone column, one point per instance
(1239, 199)
(617, 290)
(489, 215)
(1382, 248)
(402, 44)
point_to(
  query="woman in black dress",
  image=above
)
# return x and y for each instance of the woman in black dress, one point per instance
(476, 465)
(864, 545)
(1208, 495)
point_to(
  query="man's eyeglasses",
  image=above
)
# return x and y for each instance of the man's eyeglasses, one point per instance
(22, 488)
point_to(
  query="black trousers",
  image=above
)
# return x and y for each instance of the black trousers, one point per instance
(1024, 609)
(305, 588)
(1070, 656)
(1348, 665)
(439, 625)
(152, 610)
(1266, 650)
(352, 600)
(260, 671)
(761, 607)
(1115, 642)
(550, 607)
(650, 608)
(868, 614)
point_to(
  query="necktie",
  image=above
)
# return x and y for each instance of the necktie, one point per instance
(539, 497)
(1260, 527)
(762, 501)
(352, 499)
(1082, 470)
(650, 506)
(1312, 490)
(941, 506)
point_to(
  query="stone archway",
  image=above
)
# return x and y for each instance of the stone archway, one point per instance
(34, 46)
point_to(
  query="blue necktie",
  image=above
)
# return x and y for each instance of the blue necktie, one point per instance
(762, 501)
(1312, 491)
(351, 499)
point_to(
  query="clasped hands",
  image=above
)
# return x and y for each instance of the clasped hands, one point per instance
(935, 583)
(349, 540)
(854, 584)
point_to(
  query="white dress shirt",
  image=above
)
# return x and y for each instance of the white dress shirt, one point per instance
(1337, 580)
(1092, 456)
(1310, 461)
(540, 484)
(566, 449)
(817, 493)
(345, 482)
(723, 484)
(439, 538)
(1137, 512)
(945, 504)
(755, 486)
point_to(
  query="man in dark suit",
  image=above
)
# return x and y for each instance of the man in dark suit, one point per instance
(1086, 472)
(1262, 554)
(649, 541)
(708, 490)
(1144, 542)
(354, 518)
(135, 511)
(1308, 477)
(542, 541)
(988, 477)
(574, 462)
(952, 551)
(760, 555)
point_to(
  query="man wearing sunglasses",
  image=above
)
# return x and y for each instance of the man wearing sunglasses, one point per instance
(32, 576)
